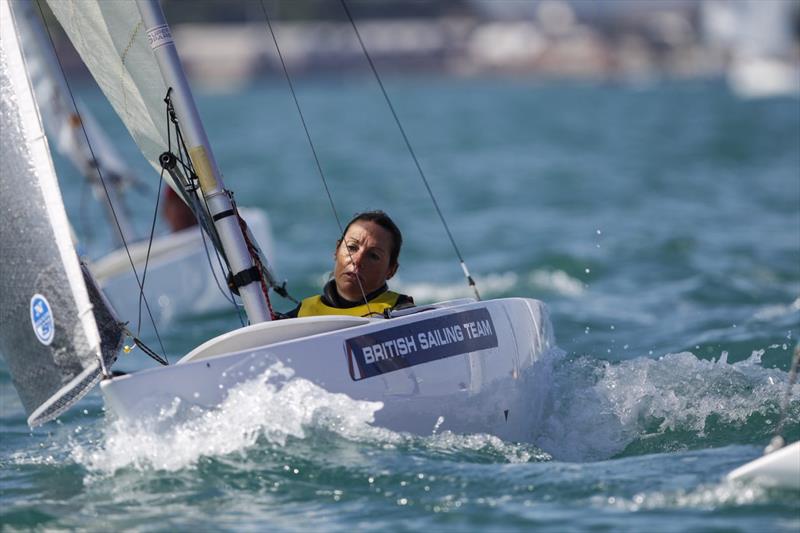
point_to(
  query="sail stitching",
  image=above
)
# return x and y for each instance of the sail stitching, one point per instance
(123, 70)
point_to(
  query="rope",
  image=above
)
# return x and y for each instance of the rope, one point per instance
(470, 281)
(102, 180)
(257, 261)
(311, 144)
(146, 349)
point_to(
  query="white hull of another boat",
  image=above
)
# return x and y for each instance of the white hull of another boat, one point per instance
(780, 468)
(462, 366)
(179, 279)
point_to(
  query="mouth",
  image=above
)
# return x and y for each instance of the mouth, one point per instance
(351, 276)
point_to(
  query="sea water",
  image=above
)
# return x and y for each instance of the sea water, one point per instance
(659, 223)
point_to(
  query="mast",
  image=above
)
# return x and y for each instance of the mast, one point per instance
(219, 203)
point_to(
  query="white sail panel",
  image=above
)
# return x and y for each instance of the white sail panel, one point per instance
(110, 38)
(74, 132)
(48, 333)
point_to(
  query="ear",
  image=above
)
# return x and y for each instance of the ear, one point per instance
(392, 271)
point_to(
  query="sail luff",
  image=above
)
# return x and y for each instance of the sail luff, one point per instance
(219, 202)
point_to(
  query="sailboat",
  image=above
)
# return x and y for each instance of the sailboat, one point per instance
(776, 468)
(165, 258)
(463, 365)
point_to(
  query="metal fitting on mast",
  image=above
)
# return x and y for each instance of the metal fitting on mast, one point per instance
(211, 184)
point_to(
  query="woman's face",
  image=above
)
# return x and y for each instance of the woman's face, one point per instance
(364, 255)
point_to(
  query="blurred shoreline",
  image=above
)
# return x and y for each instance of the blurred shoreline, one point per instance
(753, 44)
(234, 53)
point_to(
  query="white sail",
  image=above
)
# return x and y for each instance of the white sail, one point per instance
(75, 132)
(115, 44)
(48, 333)
(110, 38)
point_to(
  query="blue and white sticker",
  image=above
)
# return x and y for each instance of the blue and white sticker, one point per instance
(42, 319)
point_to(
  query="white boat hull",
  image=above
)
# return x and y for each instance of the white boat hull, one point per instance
(179, 280)
(474, 378)
(780, 468)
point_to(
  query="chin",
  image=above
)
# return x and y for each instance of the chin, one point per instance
(346, 290)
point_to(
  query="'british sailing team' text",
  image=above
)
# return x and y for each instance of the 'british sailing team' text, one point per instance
(424, 340)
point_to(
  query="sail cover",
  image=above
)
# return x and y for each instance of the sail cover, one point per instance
(48, 333)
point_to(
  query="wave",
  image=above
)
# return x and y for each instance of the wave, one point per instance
(771, 312)
(598, 409)
(495, 285)
(276, 411)
(273, 408)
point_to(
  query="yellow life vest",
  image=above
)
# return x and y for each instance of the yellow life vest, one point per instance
(313, 306)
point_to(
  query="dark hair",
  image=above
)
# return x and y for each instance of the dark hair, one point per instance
(382, 219)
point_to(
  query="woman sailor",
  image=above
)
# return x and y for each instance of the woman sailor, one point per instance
(365, 258)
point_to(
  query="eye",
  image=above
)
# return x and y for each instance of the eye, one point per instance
(352, 248)
(375, 256)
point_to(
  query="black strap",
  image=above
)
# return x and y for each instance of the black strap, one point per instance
(246, 277)
(224, 214)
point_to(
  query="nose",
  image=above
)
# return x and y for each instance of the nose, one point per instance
(357, 257)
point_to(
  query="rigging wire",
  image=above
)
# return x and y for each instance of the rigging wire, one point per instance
(311, 145)
(149, 248)
(470, 281)
(190, 188)
(102, 180)
(146, 349)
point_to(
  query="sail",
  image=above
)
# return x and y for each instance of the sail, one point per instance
(110, 38)
(76, 134)
(48, 333)
(115, 44)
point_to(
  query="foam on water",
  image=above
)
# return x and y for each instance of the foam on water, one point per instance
(596, 408)
(593, 410)
(479, 447)
(268, 411)
(492, 285)
(557, 281)
(771, 312)
(438, 292)
(273, 407)
(725, 494)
